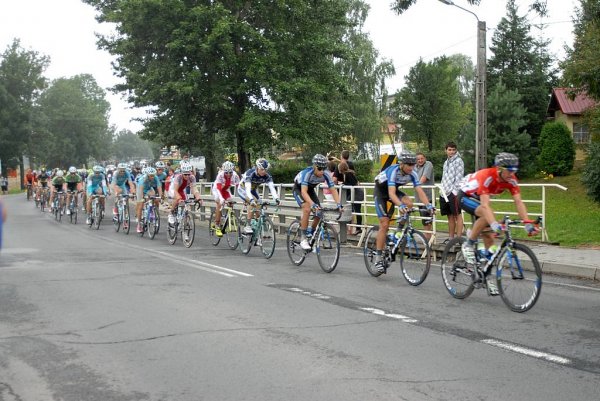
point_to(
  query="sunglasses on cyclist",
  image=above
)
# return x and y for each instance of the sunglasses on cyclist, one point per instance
(320, 168)
(186, 174)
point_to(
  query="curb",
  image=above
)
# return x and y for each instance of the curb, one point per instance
(590, 273)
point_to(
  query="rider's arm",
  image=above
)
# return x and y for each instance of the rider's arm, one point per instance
(273, 190)
(305, 195)
(521, 208)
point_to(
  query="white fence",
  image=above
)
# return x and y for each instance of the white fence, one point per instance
(289, 209)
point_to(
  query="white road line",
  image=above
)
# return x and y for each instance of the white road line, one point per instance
(527, 351)
(379, 312)
(571, 285)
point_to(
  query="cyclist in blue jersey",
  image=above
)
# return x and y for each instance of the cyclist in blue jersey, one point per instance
(95, 184)
(387, 195)
(147, 184)
(305, 183)
(246, 189)
(121, 180)
(161, 173)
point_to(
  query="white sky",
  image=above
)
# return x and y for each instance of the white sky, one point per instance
(65, 31)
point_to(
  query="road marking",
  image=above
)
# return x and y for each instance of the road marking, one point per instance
(379, 312)
(527, 351)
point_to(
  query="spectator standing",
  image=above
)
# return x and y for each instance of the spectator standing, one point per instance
(331, 166)
(4, 184)
(453, 173)
(424, 170)
(347, 177)
(345, 157)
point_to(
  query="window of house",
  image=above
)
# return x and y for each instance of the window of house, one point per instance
(581, 133)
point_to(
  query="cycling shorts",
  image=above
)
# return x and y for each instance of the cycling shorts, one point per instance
(383, 206)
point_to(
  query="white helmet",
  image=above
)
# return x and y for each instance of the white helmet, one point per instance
(97, 169)
(228, 167)
(159, 164)
(59, 173)
(150, 171)
(185, 167)
(122, 166)
(72, 170)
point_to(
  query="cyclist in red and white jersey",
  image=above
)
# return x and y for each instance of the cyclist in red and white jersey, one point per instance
(474, 198)
(226, 179)
(181, 185)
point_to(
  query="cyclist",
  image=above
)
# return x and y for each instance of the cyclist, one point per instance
(246, 190)
(305, 183)
(42, 180)
(226, 179)
(121, 179)
(148, 184)
(95, 184)
(58, 185)
(474, 198)
(161, 174)
(386, 192)
(73, 180)
(30, 179)
(181, 185)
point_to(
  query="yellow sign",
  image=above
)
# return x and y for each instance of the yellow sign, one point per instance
(388, 160)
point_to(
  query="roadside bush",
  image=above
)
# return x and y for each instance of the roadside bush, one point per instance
(284, 171)
(557, 149)
(591, 172)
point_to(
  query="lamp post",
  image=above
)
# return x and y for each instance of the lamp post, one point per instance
(480, 84)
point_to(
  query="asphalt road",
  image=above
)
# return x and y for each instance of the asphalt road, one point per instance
(98, 315)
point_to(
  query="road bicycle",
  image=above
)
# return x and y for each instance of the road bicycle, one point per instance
(184, 224)
(324, 241)
(263, 232)
(150, 217)
(29, 191)
(44, 198)
(516, 269)
(97, 211)
(122, 218)
(405, 243)
(72, 207)
(229, 226)
(58, 206)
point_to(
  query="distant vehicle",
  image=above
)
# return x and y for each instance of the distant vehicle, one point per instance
(199, 163)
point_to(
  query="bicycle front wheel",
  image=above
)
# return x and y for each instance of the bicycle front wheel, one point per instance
(153, 222)
(117, 220)
(266, 237)
(214, 239)
(188, 230)
(328, 248)
(519, 277)
(126, 219)
(245, 240)
(455, 273)
(415, 257)
(295, 251)
(369, 251)
(232, 230)
(97, 216)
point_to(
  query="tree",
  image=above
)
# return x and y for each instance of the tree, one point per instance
(506, 122)
(428, 108)
(74, 123)
(399, 6)
(524, 65)
(21, 81)
(128, 146)
(557, 149)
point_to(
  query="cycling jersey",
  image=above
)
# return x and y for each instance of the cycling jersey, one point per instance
(58, 183)
(30, 178)
(95, 181)
(183, 186)
(146, 184)
(487, 182)
(72, 181)
(250, 182)
(223, 182)
(121, 179)
(393, 176)
(308, 178)
(43, 177)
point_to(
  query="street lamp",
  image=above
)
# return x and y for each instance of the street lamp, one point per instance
(480, 79)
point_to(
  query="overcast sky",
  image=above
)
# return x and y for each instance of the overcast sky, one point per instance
(65, 31)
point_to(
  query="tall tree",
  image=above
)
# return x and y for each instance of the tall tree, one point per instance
(399, 6)
(129, 146)
(524, 65)
(21, 81)
(75, 122)
(429, 108)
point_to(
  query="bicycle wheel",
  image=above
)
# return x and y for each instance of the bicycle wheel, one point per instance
(97, 216)
(232, 230)
(519, 277)
(74, 214)
(152, 222)
(126, 219)
(267, 238)
(369, 251)
(455, 274)
(188, 231)
(55, 209)
(211, 230)
(295, 251)
(415, 257)
(246, 240)
(117, 219)
(172, 232)
(328, 248)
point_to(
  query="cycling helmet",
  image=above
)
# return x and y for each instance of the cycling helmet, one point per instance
(122, 166)
(407, 157)
(150, 171)
(319, 160)
(262, 164)
(185, 167)
(97, 169)
(159, 164)
(228, 167)
(72, 170)
(507, 160)
(59, 173)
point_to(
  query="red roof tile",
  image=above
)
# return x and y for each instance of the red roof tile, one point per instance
(561, 100)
